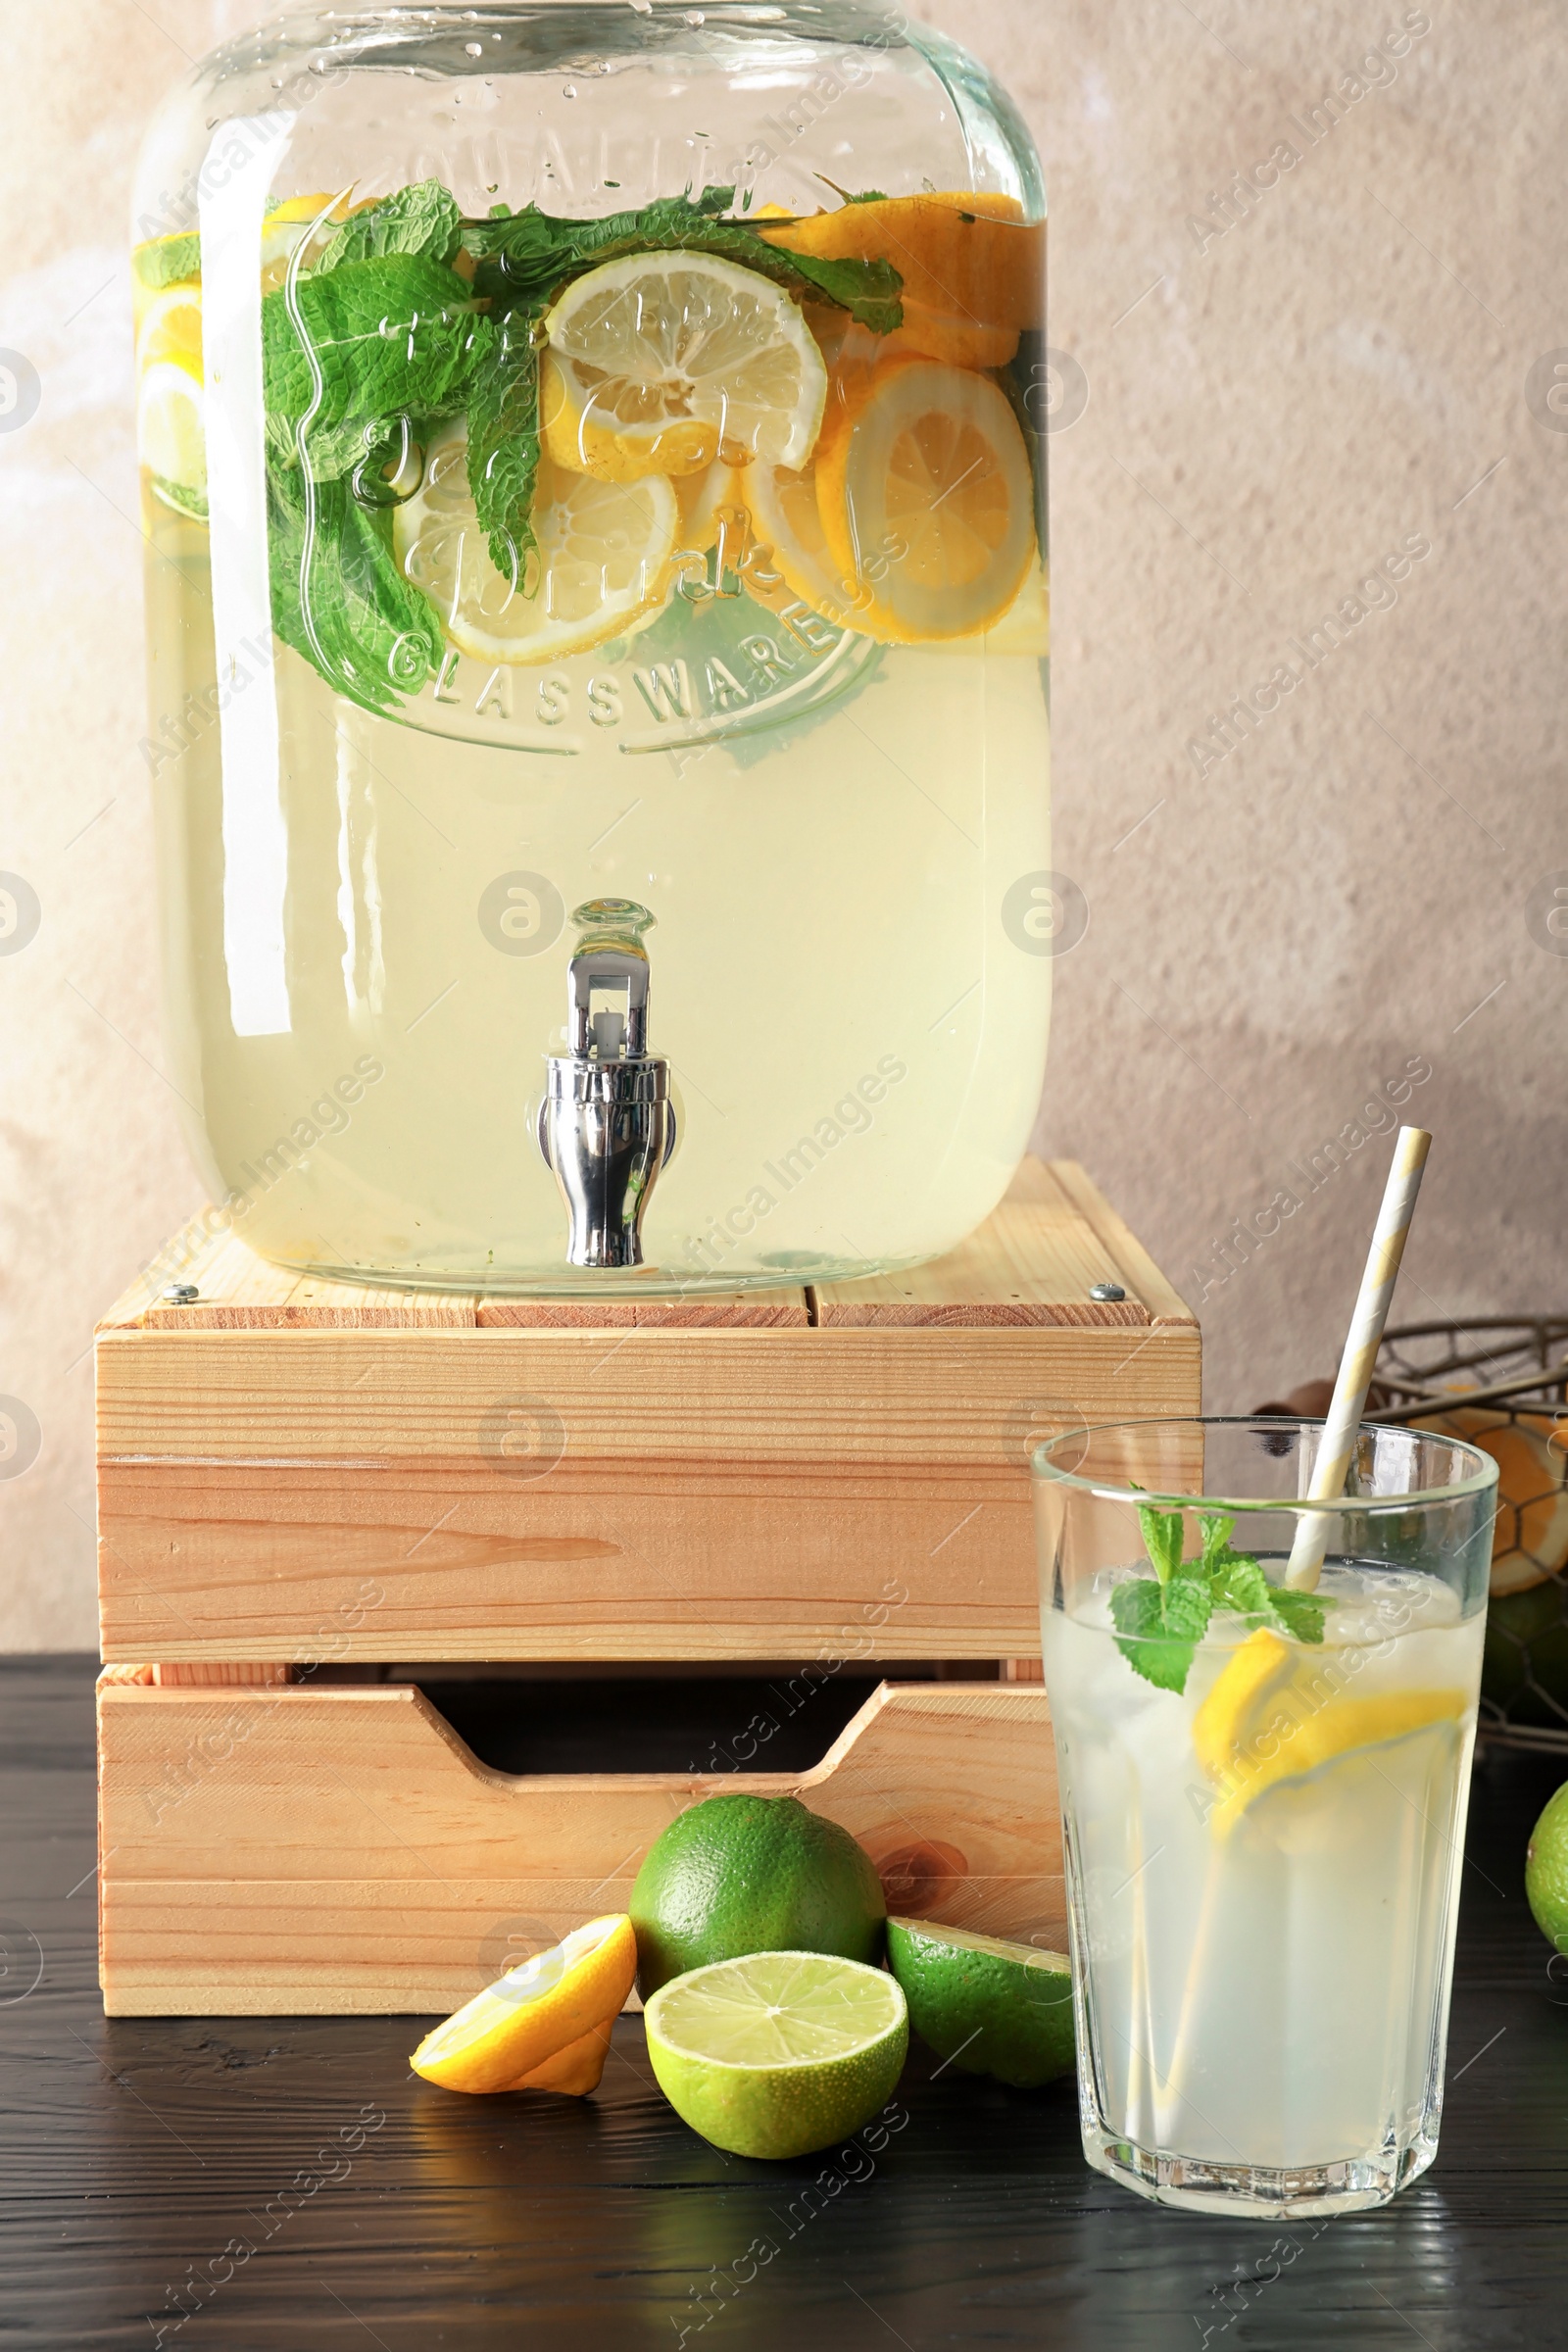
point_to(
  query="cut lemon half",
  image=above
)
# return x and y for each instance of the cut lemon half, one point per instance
(603, 560)
(927, 500)
(973, 270)
(1277, 1716)
(171, 440)
(544, 2026)
(661, 361)
(779, 2053)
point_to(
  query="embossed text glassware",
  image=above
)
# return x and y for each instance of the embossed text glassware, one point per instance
(592, 465)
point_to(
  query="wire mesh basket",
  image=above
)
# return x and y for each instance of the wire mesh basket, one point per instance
(1502, 1383)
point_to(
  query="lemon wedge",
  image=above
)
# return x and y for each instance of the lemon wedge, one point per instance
(602, 560)
(660, 362)
(927, 500)
(1278, 1716)
(544, 2026)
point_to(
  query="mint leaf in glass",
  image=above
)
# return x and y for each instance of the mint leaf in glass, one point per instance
(530, 253)
(397, 335)
(1163, 1537)
(339, 598)
(422, 218)
(1298, 1613)
(1137, 1611)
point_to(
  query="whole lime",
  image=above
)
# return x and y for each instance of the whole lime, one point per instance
(752, 1874)
(1546, 1869)
(986, 2006)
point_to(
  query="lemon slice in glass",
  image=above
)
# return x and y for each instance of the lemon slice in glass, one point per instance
(170, 437)
(1278, 1717)
(660, 362)
(603, 560)
(779, 2053)
(171, 328)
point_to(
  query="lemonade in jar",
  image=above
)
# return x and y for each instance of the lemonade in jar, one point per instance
(593, 476)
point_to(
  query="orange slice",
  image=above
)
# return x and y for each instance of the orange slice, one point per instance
(926, 498)
(973, 268)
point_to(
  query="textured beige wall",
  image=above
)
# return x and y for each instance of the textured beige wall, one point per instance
(1272, 411)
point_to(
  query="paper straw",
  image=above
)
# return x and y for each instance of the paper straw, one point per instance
(1343, 1423)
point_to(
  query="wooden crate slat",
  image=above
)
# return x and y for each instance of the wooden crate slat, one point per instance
(762, 1514)
(299, 1851)
(1034, 1262)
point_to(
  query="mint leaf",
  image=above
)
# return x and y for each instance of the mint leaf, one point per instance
(1188, 1604)
(1300, 1613)
(531, 253)
(1162, 1540)
(332, 451)
(397, 334)
(168, 261)
(1155, 1648)
(422, 218)
(338, 596)
(503, 441)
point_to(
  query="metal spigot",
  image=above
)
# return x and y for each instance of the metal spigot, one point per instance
(607, 1125)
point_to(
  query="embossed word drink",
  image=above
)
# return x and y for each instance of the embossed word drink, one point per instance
(592, 464)
(1264, 1795)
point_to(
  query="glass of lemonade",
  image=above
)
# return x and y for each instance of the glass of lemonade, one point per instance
(1263, 1799)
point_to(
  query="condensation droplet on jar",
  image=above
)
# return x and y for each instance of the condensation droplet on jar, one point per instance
(568, 89)
(473, 48)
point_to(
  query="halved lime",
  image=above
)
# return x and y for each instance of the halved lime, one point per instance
(986, 2006)
(780, 2053)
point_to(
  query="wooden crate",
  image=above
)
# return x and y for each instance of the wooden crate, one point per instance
(292, 1850)
(297, 1476)
(289, 1470)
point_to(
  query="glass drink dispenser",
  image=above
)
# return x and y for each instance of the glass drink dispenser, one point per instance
(593, 478)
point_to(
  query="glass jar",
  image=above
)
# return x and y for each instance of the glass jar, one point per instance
(593, 482)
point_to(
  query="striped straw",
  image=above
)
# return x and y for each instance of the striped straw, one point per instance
(1343, 1425)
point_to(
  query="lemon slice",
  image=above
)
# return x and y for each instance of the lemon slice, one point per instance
(1274, 1719)
(787, 525)
(170, 329)
(170, 437)
(927, 499)
(778, 2053)
(544, 2026)
(602, 560)
(657, 362)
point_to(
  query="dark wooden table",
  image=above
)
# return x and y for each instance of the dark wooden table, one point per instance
(286, 2183)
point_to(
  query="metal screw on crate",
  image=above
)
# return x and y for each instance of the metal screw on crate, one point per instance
(1106, 1294)
(180, 1293)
